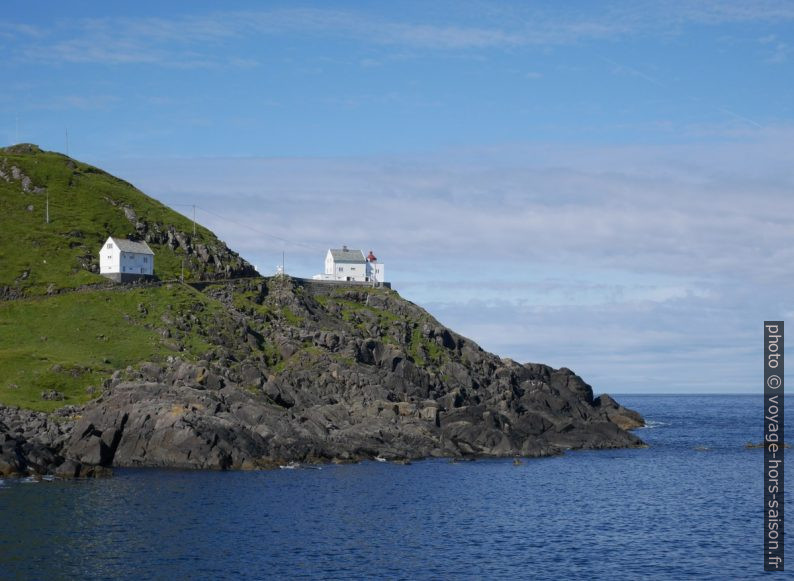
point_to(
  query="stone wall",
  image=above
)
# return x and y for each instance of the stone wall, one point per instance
(125, 277)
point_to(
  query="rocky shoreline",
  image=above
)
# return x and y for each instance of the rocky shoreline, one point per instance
(313, 373)
(186, 416)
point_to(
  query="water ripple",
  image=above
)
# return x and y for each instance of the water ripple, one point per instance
(666, 512)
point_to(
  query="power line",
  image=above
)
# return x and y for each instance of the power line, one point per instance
(246, 226)
(194, 214)
(260, 232)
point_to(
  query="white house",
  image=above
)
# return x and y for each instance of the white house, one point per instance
(344, 264)
(123, 260)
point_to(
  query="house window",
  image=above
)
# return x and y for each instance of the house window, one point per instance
(340, 269)
(123, 269)
(110, 245)
(352, 268)
(146, 259)
(141, 270)
(109, 257)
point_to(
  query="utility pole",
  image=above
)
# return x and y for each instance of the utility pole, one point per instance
(182, 278)
(47, 210)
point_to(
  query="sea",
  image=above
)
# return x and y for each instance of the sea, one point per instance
(688, 506)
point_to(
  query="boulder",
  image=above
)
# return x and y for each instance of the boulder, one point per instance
(614, 412)
(52, 395)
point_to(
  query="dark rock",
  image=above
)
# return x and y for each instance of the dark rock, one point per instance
(52, 395)
(251, 375)
(152, 371)
(30, 442)
(616, 413)
(68, 469)
(87, 471)
(11, 461)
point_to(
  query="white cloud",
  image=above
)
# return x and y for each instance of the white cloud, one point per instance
(778, 50)
(191, 41)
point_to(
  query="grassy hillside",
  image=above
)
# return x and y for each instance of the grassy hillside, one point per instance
(73, 342)
(86, 205)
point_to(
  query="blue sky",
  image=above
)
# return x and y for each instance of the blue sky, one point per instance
(602, 186)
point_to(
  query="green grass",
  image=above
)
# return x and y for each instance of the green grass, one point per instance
(272, 356)
(85, 207)
(87, 336)
(291, 317)
(369, 290)
(350, 308)
(420, 344)
(307, 354)
(244, 302)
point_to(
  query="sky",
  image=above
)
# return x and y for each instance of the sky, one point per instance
(600, 186)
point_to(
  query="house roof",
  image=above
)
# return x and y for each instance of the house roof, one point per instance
(347, 255)
(129, 246)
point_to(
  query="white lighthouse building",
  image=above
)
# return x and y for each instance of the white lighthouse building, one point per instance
(345, 264)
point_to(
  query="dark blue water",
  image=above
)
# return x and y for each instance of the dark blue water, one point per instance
(668, 512)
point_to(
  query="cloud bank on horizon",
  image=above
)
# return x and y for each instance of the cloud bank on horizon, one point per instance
(607, 190)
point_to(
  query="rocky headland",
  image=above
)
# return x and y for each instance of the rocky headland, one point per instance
(229, 370)
(310, 372)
